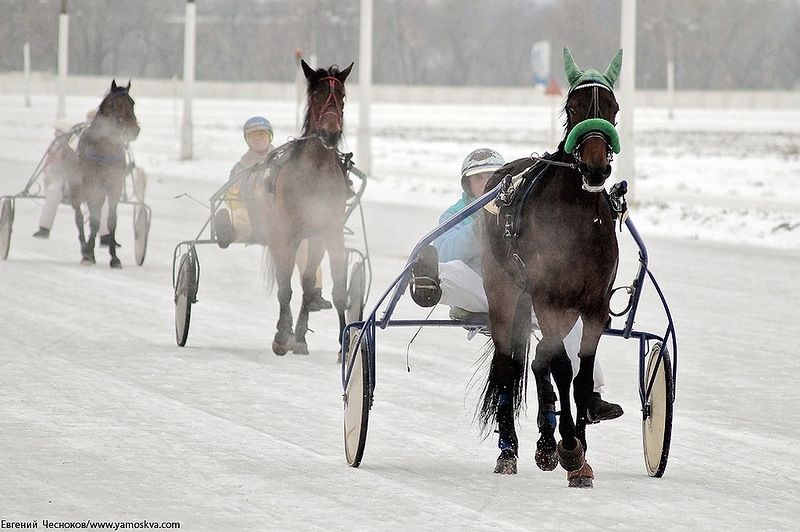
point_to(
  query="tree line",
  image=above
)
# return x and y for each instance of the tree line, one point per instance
(713, 44)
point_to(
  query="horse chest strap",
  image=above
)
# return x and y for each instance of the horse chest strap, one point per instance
(511, 200)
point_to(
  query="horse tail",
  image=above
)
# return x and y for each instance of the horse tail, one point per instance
(507, 379)
(268, 269)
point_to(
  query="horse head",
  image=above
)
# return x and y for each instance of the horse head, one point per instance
(116, 110)
(324, 116)
(591, 111)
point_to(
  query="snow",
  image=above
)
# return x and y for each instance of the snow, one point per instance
(104, 418)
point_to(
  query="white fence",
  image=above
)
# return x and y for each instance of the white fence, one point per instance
(42, 83)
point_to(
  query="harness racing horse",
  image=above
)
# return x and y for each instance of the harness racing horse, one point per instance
(309, 203)
(552, 247)
(102, 168)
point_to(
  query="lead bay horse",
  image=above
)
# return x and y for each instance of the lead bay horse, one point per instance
(102, 168)
(552, 246)
(309, 204)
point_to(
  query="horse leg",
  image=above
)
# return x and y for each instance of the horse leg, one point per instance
(582, 476)
(94, 228)
(112, 229)
(546, 456)
(570, 450)
(308, 281)
(582, 391)
(336, 257)
(505, 388)
(284, 264)
(584, 382)
(75, 193)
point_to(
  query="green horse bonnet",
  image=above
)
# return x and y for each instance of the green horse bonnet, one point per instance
(578, 78)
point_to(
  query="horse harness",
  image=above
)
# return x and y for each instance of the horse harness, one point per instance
(283, 153)
(515, 189)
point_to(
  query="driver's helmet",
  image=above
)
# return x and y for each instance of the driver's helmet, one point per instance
(480, 160)
(257, 123)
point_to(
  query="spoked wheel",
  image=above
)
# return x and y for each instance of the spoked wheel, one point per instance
(185, 295)
(357, 395)
(6, 222)
(657, 415)
(141, 230)
(357, 399)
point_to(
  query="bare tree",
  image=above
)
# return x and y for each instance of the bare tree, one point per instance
(714, 44)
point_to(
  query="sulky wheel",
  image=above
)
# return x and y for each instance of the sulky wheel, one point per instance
(657, 411)
(356, 398)
(6, 222)
(185, 295)
(141, 230)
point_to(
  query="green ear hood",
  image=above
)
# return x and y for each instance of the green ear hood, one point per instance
(576, 76)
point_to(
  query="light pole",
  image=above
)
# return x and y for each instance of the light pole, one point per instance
(188, 79)
(365, 88)
(63, 59)
(626, 159)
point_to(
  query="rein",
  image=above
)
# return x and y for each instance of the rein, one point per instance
(99, 159)
(316, 136)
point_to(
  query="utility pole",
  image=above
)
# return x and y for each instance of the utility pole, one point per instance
(364, 154)
(188, 80)
(626, 159)
(63, 59)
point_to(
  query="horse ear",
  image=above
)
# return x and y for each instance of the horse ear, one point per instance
(129, 86)
(341, 76)
(571, 68)
(113, 85)
(307, 70)
(614, 68)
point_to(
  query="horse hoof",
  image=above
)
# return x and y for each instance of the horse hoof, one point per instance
(546, 460)
(87, 261)
(116, 263)
(506, 463)
(546, 456)
(281, 348)
(571, 460)
(300, 348)
(581, 478)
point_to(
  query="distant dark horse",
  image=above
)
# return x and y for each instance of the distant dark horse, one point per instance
(309, 203)
(102, 168)
(552, 245)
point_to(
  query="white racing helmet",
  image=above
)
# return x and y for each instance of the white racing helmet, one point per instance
(478, 161)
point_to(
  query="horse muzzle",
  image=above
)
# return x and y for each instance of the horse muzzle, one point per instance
(330, 138)
(593, 143)
(594, 176)
(132, 133)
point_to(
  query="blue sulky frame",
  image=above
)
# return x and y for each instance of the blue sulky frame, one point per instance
(658, 354)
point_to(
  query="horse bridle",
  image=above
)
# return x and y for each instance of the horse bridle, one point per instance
(332, 102)
(593, 112)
